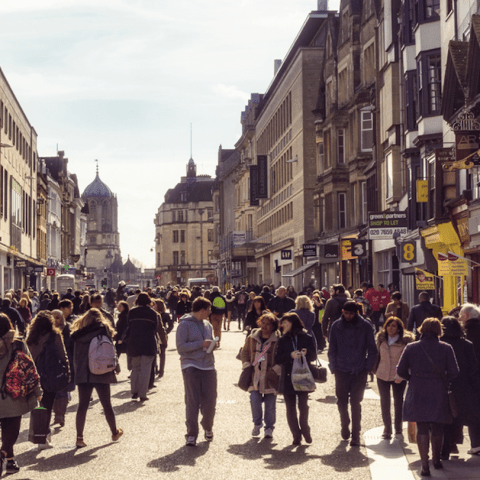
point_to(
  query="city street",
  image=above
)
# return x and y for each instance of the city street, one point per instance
(153, 443)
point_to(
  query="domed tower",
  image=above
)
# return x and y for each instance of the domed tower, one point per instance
(103, 239)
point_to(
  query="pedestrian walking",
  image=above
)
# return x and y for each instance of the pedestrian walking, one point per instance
(281, 304)
(304, 309)
(420, 312)
(159, 307)
(391, 341)
(141, 344)
(352, 353)
(12, 409)
(258, 309)
(294, 343)
(84, 329)
(259, 351)
(241, 303)
(397, 308)
(333, 308)
(194, 336)
(219, 308)
(423, 364)
(230, 302)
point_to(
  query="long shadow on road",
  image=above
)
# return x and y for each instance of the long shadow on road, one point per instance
(343, 460)
(184, 456)
(71, 457)
(254, 449)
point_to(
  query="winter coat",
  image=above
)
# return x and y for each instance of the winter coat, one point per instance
(283, 357)
(142, 327)
(265, 376)
(81, 344)
(279, 306)
(373, 297)
(36, 348)
(10, 407)
(427, 395)
(466, 387)
(392, 311)
(352, 346)
(333, 311)
(122, 324)
(183, 308)
(472, 331)
(389, 356)
(420, 312)
(307, 317)
(251, 319)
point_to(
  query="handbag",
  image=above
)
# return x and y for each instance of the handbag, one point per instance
(302, 378)
(38, 429)
(246, 376)
(319, 373)
(451, 399)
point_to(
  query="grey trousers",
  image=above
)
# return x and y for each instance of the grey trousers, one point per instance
(141, 368)
(200, 395)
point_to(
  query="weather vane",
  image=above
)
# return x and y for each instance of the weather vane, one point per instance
(97, 164)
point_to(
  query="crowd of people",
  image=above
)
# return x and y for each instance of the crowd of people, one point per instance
(368, 331)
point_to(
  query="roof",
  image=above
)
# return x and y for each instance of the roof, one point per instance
(97, 189)
(195, 192)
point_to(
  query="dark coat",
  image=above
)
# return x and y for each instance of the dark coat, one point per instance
(466, 387)
(219, 307)
(142, 327)
(472, 331)
(183, 308)
(426, 399)
(352, 347)
(420, 312)
(281, 305)
(122, 324)
(81, 344)
(283, 357)
(333, 310)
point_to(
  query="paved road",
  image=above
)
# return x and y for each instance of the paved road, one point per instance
(153, 443)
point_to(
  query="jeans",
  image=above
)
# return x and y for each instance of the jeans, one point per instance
(398, 390)
(84, 394)
(375, 317)
(10, 430)
(141, 369)
(47, 402)
(350, 386)
(270, 400)
(200, 396)
(292, 419)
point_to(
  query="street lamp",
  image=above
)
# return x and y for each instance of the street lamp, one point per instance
(200, 211)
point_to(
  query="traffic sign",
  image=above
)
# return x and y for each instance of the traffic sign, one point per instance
(50, 272)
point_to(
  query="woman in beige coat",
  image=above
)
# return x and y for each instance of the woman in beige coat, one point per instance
(391, 341)
(265, 377)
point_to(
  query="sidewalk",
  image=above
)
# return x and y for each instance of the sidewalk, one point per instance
(397, 459)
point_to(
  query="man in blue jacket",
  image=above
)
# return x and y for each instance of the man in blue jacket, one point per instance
(352, 353)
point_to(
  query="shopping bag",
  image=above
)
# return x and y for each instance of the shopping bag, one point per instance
(38, 430)
(302, 378)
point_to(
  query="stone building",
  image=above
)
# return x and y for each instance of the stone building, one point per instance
(184, 230)
(18, 194)
(102, 237)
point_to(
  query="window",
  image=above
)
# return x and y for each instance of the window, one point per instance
(182, 257)
(16, 203)
(341, 145)
(434, 87)
(175, 258)
(175, 236)
(210, 235)
(411, 100)
(183, 196)
(158, 259)
(342, 210)
(209, 256)
(366, 118)
(431, 8)
(328, 212)
(210, 213)
(327, 150)
(174, 216)
(389, 175)
(182, 236)
(180, 216)
(320, 158)
(431, 189)
(364, 206)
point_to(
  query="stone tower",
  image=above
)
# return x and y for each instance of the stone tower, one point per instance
(103, 239)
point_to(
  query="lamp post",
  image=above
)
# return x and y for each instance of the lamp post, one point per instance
(200, 211)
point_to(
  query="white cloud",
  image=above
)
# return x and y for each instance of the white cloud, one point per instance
(230, 91)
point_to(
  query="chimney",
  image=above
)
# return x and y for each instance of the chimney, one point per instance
(276, 65)
(322, 5)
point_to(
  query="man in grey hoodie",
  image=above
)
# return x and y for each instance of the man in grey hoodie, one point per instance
(194, 335)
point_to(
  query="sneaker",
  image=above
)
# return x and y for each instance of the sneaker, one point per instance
(191, 441)
(269, 433)
(208, 436)
(12, 466)
(117, 435)
(256, 430)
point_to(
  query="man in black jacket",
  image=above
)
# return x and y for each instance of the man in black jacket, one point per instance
(333, 308)
(420, 312)
(16, 319)
(281, 304)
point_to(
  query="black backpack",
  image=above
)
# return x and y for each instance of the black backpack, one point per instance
(51, 367)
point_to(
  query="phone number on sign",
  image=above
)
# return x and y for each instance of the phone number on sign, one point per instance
(386, 232)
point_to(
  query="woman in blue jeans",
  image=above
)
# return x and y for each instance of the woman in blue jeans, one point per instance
(294, 343)
(259, 351)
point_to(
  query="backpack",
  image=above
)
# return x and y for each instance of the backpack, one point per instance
(219, 302)
(21, 377)
(51, 367)
(102, 356)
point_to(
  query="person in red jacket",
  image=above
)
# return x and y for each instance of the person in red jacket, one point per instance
(384, 300)
(373, 297)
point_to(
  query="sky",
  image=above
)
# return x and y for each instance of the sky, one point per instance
(122, 81)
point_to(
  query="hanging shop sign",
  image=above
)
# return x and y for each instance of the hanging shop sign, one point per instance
(424, 280)
(422, 191)
(408, 252)
(330, 251)
(358, 248)
(451, 265)
(50, 272)
(286, 254)
(262, 172)
(385, 225)
(253, 186)
(239, 237)
(309, 250)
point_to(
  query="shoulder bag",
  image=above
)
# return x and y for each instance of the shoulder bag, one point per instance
(245, 379)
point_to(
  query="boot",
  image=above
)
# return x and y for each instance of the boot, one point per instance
(59, 409)
(423, 442)
(437, 442)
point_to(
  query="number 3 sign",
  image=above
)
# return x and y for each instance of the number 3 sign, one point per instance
(359, 248)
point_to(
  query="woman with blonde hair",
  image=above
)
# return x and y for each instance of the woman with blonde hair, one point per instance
(305, 311)
(84, 329)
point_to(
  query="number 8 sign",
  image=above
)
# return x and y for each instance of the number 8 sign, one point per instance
(409, 252)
